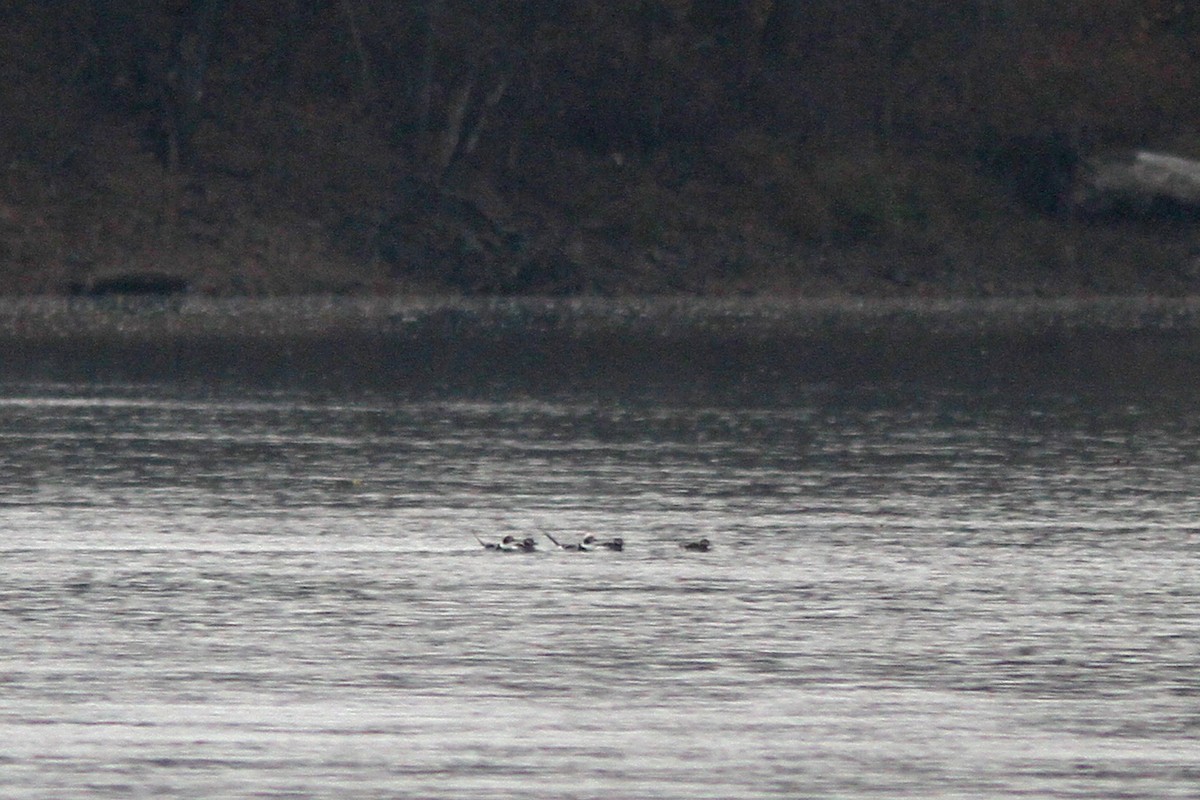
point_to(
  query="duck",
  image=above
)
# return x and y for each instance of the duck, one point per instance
(615, 543)
(698, 546)
(526, 545)
(583, 547)
(507, 543)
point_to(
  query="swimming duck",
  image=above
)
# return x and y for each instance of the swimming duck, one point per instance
(507, 543)
(698, 546)
(615, 543)
(526, 545)
(583, 547)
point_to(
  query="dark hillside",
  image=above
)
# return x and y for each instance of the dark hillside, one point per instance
(541, 146)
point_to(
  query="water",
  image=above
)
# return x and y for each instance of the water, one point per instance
(911, 595)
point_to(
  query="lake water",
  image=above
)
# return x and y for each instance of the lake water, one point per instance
(911, 594)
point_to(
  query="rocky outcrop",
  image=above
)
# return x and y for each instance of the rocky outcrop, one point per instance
(1141, 183)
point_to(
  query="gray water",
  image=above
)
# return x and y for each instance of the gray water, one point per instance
(910, 595)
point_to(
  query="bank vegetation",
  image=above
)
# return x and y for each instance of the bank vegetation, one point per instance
(597, 146)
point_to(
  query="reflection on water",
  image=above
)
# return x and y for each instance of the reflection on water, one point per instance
(953, 595)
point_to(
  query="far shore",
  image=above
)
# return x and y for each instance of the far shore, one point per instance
(738, 350)
(53, 317)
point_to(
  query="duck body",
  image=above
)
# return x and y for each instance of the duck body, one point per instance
(698, 546)
(507, 543)
(586, 546)
(510, 544)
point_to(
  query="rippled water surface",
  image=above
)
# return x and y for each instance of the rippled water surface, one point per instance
(909, 595)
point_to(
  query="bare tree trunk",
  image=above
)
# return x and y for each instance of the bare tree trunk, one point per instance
(451, 135)
(783, 32)
(425, 88)
(733, 25)
(367, 85)
(182, 87)
(489, 104)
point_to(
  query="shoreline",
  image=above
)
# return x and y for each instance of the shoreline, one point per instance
(744, 350)
(58, 318)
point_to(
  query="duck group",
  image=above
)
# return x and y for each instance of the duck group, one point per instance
(511, 544)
